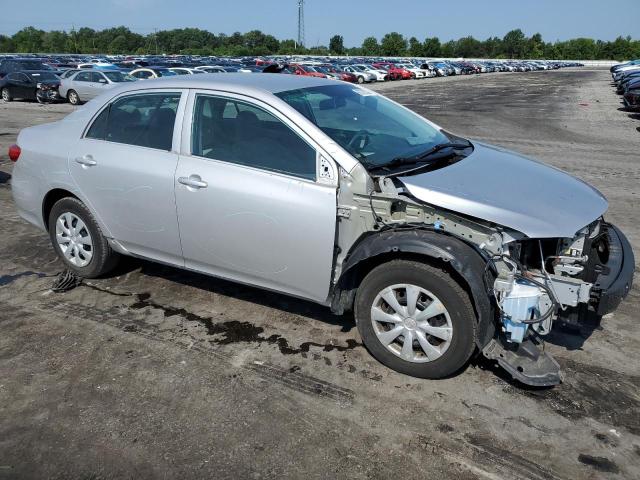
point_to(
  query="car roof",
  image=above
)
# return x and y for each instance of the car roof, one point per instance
(235, 82)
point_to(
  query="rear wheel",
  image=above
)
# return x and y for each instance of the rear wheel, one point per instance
(6, 95)
(78, 240)
(360, 79)
(415, 319)
(73, 97)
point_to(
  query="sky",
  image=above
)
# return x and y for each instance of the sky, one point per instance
(354, 19)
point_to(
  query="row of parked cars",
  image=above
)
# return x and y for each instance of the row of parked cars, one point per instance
(79, 79)
(626, 78)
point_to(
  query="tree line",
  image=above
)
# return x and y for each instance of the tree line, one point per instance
(194, 41)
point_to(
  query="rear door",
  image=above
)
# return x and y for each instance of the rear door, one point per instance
(251, 206)
(124, 166)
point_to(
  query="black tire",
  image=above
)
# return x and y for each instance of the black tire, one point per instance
(6, 95)
(103, 259)
(73, 97)
(360, 79)
(443, 286)
(40, 98)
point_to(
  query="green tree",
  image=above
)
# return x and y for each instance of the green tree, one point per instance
(336, 45)
(432, 47)
(513, 43)
(393, 45)
(370, 47)
(28, 40)
(416, 49)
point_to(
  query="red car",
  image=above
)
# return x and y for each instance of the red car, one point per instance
(395, 72)
(305, 71)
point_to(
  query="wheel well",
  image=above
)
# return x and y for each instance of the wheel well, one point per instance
(351, 280)
(50, 200)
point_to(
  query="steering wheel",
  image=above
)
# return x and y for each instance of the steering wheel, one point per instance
(362, 137)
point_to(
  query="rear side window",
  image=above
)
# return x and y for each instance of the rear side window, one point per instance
(240, 133)
(83, 77)
(98, 129)
(145, 120)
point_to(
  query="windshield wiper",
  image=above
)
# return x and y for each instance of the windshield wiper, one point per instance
(398, 161)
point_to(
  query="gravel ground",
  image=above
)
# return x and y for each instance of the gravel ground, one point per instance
(158, 373)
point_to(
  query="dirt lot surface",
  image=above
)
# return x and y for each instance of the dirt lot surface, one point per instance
(158, 373)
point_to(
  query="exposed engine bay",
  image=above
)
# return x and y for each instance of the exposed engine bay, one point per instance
(531, 283)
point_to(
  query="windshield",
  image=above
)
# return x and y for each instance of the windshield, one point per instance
(118, 77)
(369, 126)
(43, 77)
(165, 73)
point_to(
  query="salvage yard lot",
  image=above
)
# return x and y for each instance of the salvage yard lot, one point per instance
(159, 373)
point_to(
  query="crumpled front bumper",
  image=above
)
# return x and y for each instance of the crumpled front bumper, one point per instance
(614, 283)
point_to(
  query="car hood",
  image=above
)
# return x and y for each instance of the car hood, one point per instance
(511, 190)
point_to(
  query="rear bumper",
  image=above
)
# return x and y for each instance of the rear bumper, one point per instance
(615, 282)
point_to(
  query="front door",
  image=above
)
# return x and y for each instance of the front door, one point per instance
(250, 207)
(124, 166)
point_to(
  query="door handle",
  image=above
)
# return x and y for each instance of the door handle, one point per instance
(193, 181)
(86, 161)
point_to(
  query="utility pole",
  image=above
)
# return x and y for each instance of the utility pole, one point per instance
(301, 23)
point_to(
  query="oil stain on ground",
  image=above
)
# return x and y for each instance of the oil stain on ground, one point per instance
(232, 331)
(599, 463)
(7, 279)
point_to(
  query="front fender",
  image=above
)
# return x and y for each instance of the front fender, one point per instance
(462, 257)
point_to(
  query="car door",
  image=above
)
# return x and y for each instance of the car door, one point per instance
(250, 205)
(96, 84)
(81, 85)
(124, 166)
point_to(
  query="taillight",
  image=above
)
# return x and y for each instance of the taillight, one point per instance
(14, 152)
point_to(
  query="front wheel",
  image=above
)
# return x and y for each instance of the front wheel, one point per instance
(78, 240)
(416, 319)
(360, 80)
(6, 95)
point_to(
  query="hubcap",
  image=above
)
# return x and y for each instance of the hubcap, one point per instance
(5, 95)
(74, 239)
(412, 323)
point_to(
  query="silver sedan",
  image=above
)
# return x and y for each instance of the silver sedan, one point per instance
(88, 84)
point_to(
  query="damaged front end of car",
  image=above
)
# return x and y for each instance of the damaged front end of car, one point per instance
(523, 269)
(541, 281)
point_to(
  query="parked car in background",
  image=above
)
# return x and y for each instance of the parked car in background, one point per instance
(85, 84)
(41, 86)
(331, 72)
(151, 72)
(632, 98)
(394, 72)
(380, 74)
(23, 65)
(215, 69)
(361, 73)
(305, 70)
(185, 71)
(416, 72)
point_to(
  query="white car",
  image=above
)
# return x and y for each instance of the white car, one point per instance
(415, 71)
(381, 75)
(151, 72)
(361, 73)
(185, 71)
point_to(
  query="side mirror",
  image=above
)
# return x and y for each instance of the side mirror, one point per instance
(102, 80)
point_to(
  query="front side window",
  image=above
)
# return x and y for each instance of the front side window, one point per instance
(142, 74)
(237, 132)
(145, 120)
(369, 126)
